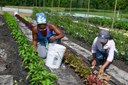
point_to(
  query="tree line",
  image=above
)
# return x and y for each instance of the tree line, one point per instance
(94, 4)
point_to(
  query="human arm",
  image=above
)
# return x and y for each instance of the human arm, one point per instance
(94, 60)
(57, 31)
(110, 55)
(28, 24)
(93, 50)
(34, 36)
(104, 66)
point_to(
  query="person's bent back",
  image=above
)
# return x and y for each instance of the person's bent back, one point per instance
(103, 50)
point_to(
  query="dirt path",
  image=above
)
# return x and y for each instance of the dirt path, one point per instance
(9, 54)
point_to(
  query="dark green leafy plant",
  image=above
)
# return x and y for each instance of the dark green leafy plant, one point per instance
(37, 73)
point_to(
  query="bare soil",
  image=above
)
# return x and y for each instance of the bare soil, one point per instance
(13, 62)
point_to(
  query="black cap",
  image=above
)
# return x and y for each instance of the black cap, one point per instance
(104, 34)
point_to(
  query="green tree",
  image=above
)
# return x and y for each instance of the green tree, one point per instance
(121, 4)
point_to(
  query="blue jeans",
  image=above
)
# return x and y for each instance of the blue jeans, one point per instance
(42, 48)
(101, 57)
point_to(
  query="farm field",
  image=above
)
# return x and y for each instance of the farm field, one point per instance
(21, 65)
(118, 63)
(10, 63)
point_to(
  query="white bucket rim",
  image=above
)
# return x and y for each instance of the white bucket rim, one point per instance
(57, 45)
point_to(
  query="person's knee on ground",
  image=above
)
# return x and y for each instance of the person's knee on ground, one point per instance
(42, 51)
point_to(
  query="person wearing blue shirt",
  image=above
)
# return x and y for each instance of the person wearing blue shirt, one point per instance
(44, 33)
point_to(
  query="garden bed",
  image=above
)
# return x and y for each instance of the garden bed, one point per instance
(82, 44)
(12, 63)
(116, 74)
(119, 63)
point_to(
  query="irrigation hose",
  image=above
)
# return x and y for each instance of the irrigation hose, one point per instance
(19, 69)
(18, 66)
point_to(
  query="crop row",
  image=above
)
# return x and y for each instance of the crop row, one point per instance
(34, 65)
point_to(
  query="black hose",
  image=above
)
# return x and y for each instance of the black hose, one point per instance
(18, 66)
(17, 58)
(19, 69)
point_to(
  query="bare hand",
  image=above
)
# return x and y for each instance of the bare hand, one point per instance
(53, 38)
(101, 70)
(35, 50)
(93, 62)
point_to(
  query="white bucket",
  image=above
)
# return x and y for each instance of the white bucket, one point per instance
(55, 55)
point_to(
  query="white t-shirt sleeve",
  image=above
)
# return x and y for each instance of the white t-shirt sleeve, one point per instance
(111, 51)
(94, 48)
